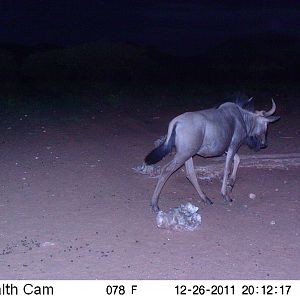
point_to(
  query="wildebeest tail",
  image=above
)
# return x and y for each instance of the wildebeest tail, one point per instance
(163, 149)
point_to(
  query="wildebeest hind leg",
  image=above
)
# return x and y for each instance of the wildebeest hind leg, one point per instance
(166, 172)
(191, 175)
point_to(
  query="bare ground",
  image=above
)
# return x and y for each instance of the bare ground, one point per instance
(71, 206)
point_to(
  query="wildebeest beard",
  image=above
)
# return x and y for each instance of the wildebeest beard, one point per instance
(254, 143)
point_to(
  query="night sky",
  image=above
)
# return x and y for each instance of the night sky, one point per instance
(176, 27)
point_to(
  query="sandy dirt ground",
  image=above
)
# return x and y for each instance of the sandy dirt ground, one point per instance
(71, 207)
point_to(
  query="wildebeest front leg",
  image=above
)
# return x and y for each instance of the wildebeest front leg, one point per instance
(166, 172)
(191, 175)
(228, 162)
(232, 178)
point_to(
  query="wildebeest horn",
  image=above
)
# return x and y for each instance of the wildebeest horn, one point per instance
(272, 110)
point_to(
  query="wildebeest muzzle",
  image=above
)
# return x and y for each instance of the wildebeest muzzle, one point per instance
(256, 143)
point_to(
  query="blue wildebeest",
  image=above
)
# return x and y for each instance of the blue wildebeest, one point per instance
(210, 133)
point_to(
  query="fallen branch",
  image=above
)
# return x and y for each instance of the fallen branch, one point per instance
(263, 161)
(215, 166)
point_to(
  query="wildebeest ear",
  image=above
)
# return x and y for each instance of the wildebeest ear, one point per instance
(251, 99)
(249, 104)
(272, 119)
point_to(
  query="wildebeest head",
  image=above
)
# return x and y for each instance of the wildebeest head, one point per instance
(257, 136)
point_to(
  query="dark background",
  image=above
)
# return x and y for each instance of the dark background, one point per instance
(113, 52)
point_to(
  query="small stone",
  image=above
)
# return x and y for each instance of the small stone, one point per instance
(47, 244)
(272, 222)
(252, 196)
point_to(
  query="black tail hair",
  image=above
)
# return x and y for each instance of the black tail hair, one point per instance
(162, 150)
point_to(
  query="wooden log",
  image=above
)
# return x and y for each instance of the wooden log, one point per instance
(214, 167)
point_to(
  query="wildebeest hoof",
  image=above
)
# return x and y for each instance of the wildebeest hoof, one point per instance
(155, 208)
(227, 199)
(207, 201)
